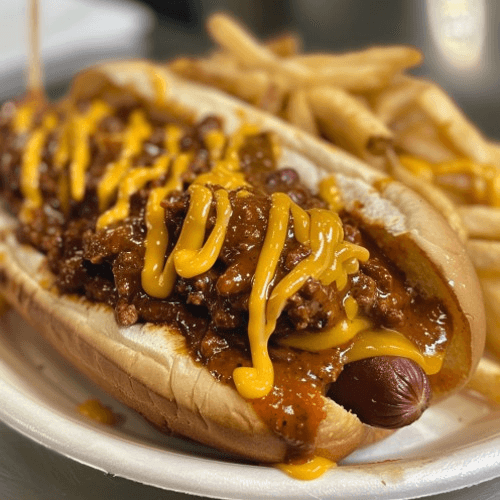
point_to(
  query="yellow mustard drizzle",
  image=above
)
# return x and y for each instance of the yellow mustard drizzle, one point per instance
(159, 83)
(153, 275)
(257, 381)
(173, 135)
(192, 232)
(215, 141)
(369, 342)
(82, 128)
(23, 119)
(131, 183)
(137, 132)
(350, 307)
(31, 159)
(485, 185)
(331, 259)
(312, 469)
(325, 263)
(190, 262)
(342, 332)
(226, 171)
(329, 192)
(372, 343)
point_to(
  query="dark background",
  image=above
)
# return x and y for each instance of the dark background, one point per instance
(337, 25)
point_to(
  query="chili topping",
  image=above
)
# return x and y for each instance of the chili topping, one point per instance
(274, 287)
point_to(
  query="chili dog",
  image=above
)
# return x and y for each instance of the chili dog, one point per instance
(226, 275)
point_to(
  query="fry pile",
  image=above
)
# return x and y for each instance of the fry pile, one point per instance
(366, 103)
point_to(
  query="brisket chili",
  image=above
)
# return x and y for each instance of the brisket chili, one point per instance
(211, 310)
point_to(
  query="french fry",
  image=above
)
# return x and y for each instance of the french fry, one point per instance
(433, 194)
(485, 255)
(274, 97)
(395, 99)
(453, 123)
(417, 142)
(481, 221)
(346, 121)
(356, 78)
(486, 380)
(286, 45)
(248, 51)
(490, 284)
(298, 112)
(250, 86)
(397, 56)
(251, 54)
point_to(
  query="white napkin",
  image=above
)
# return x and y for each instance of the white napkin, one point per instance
(73, 33)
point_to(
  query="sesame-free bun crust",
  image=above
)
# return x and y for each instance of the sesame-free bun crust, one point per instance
(147, 366)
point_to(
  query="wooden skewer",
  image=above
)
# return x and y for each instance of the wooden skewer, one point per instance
(35, 72)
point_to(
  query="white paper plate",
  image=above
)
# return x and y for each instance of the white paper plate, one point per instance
(454, 445)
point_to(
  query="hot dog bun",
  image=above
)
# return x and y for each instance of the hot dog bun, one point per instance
(148, 367)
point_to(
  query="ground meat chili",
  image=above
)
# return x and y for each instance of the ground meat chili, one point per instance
(210, 309)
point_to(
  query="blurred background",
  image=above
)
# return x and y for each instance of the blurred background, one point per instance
(459, 38)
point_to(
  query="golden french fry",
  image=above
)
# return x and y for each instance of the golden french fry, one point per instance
(273, 99)
(486, 379)
(248, 51)
(416, 142)
(250, 86)
(490, 284)
(454, 125)
(495, 152)
(433, 194)
(398, 56)
(485, 255)
(357, 79)
(395, 99)
(298, 112)
(481, 221)
(251, 54)
(286, 45)
(349, 123)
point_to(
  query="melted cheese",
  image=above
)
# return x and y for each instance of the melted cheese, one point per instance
(341, 333)
(31, 161)
(226, 171)
(257, 381)
(371, 343)
(23, 119)
(485, 179)
(190, 262)
(331, 259)
(95, 410)
(159, 84)
(137, 132)
(325, 263)
(154, 276)
(82, 127)
(312, 469)
(132, 182)
(215, 140)
(329, 192)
